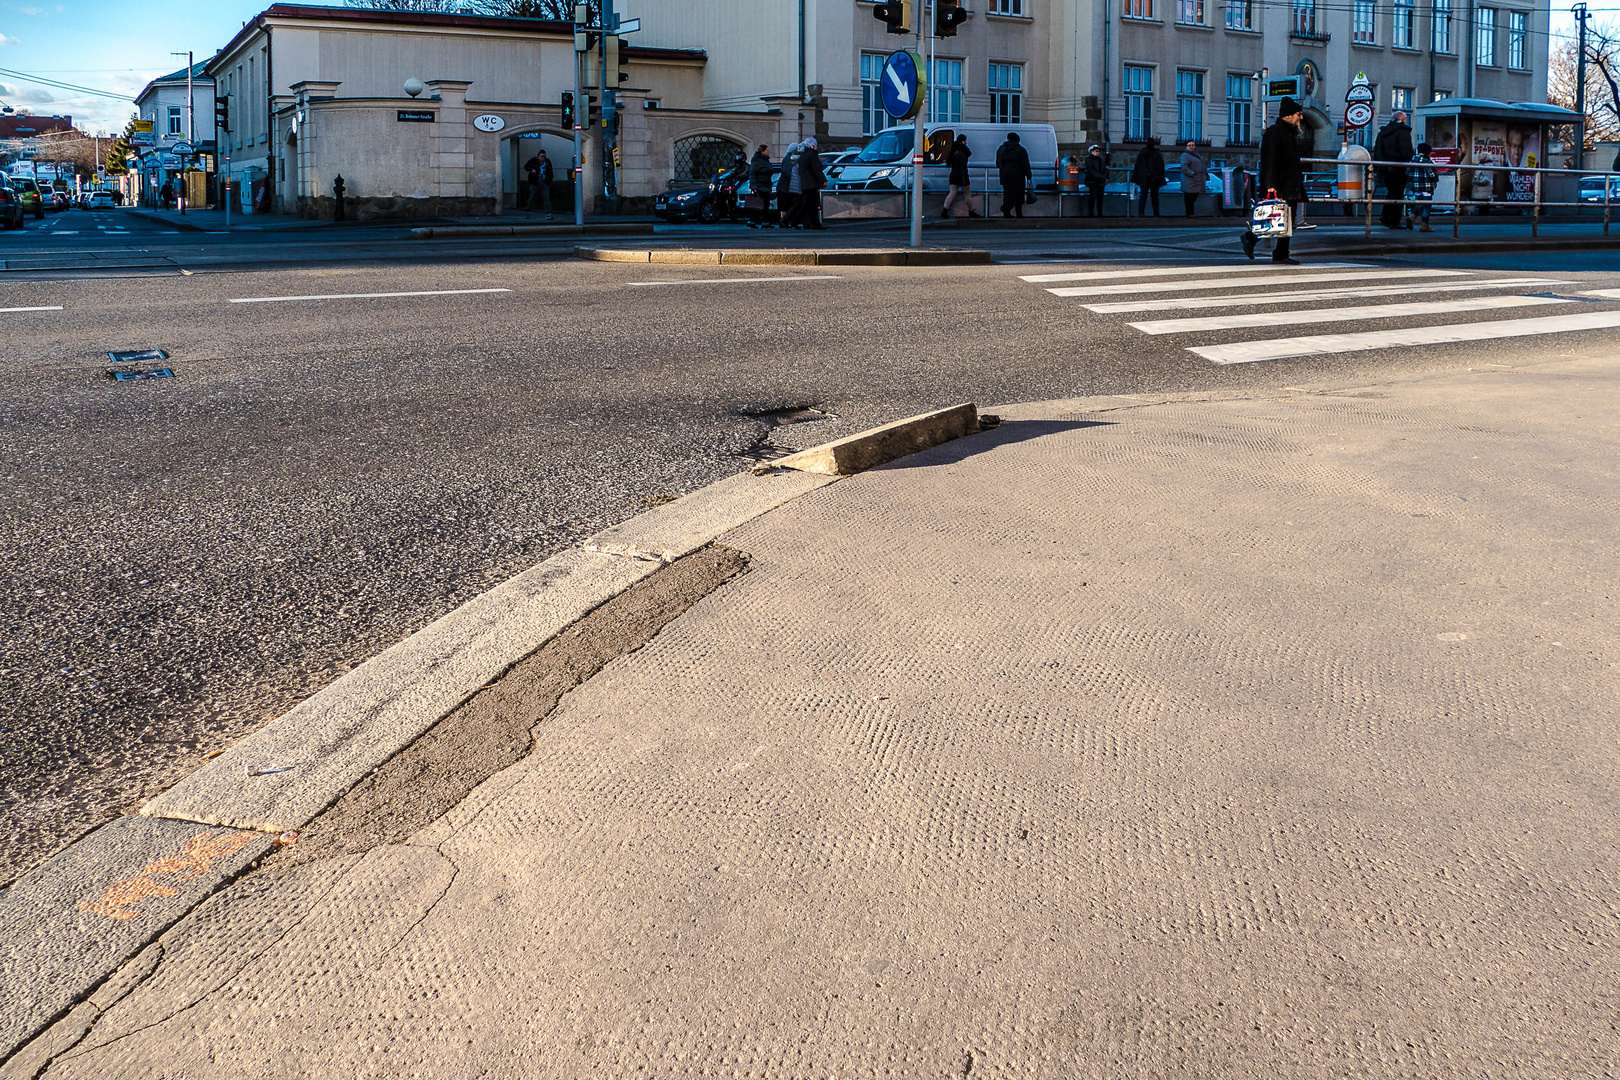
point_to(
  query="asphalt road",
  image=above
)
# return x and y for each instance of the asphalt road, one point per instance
(184, 558)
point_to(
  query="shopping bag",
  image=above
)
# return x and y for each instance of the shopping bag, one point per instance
(1271, 217)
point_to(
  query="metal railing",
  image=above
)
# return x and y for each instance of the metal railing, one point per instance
(1463, 177)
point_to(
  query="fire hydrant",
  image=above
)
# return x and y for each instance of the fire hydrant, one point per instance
(337, 193)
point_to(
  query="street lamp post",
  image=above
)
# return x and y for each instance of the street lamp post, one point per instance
(191, 125)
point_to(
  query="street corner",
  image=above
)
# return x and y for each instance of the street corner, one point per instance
(68, 923)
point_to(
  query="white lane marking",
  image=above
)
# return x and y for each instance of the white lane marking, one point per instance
(64, 232)
(363, 296)
(6, 310)
(1607, 294)
(1177, 271)
(1324, 344)
(1344, 314)
(1248, 282)
(1185, 303)
(739, 280)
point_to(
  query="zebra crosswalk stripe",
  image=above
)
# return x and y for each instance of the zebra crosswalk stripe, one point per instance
(1298, 317)
(1607, 294)
(1248, 282)
(1172, 271)
(1248, 352)
(1186, 303)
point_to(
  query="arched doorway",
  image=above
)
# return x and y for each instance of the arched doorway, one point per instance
(517, 147)
(699, 157)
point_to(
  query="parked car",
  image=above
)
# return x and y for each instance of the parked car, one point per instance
(32, 203)
(99, 200)
(55, 201)
(746, 188)
(1592, 189)
(11, 207)
(833, 164)
(708, 202)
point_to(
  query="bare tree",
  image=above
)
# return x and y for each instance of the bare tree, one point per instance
(1602, 80)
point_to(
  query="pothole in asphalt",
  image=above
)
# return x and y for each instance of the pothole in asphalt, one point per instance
(795, 414)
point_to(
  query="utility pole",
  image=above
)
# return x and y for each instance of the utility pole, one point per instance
(191, 128)
(582, 19)
(1581, 15)
(610, 116)
(918, 144)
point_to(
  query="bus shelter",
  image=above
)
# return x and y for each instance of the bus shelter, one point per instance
(1479, 131)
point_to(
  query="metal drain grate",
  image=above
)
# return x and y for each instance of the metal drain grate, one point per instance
(151, 373)
(143, 356)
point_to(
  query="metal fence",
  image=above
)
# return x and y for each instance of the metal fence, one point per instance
(1463, 176)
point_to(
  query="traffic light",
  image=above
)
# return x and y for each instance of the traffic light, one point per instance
(591, 111)
(568, 109)
(896, 13)
(948, 15)
(617, 62)
(222, 113)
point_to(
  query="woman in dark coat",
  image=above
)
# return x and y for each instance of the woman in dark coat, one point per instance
(1148, 175)
(961, 183)
(759, 187)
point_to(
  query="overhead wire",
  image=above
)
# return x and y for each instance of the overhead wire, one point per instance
(57, 84)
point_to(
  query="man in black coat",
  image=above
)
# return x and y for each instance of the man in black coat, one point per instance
(1096, 180)
(1148, 176)
(1280, 170)
(1394, 143)
(1012, 162)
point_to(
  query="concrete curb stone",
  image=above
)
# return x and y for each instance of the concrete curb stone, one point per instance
(67, 923)
(868, 449)
(790, 256)
(445, 232)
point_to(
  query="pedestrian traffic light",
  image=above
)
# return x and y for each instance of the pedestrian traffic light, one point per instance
(222, 113)
(948, 15)
(568, 109)
(895, 13)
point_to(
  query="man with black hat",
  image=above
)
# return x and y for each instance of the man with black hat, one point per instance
(1280, 170)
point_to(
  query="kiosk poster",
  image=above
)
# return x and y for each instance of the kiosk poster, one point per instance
(1523, 150)
(1489, 148)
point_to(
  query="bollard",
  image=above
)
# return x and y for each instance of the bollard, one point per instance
(337, 193)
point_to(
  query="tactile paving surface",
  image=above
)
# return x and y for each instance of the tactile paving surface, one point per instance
(1216, 739)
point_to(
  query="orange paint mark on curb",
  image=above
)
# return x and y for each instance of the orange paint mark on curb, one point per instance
(200, 852)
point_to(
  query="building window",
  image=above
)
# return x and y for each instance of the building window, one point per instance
(1189, 106)
(1400, 100)
(1138, 103)
(945, 90)
(873, 118)
(1364, 23)
(1441, 92)
(1305, 18)
(1240, 14)
(1402, 29)
(1138, 9)
(175, 124)
(1485, 37)
(1006, 93)
(701, 156)
(1239, 110)
(1518, 31)
(1006, 7)
(1190, 12)
(1440, 27)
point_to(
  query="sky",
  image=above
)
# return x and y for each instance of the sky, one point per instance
(118, 46)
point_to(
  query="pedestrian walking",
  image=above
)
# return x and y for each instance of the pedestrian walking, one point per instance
(540, 174)
(961, 182)
(1421, 178)
(811, 180)
(787, 186)
(1148, 176)
(1012, 163)
(1394, 144)
(1194, 176)
(1280, 171)
(1096, 180)
(759, 187)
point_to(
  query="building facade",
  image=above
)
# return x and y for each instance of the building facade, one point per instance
(315, 93)
(1116, 72)
(174, 121)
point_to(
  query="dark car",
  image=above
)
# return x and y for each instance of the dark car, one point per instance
(11, 208)
(746, 188)
(708, 202)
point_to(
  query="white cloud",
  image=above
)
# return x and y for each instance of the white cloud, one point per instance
(32, 11)
(7, 39)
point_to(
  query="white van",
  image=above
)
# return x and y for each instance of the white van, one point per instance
(885, 164)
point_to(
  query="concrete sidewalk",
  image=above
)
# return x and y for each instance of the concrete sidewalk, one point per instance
(1133, 738)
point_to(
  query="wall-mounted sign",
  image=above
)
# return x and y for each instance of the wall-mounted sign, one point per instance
(141, 134)
(1288, 86)
(488, 122)
(416, 116)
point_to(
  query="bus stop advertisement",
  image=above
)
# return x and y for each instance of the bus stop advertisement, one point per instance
(1478, 131)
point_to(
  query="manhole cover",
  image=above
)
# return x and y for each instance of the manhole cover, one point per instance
(143, 356)
(798, 414)
(152, 373)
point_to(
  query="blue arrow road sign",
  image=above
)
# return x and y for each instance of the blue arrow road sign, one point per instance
(902, 85)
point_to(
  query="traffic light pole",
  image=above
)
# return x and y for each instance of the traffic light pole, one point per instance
(917, 146)
(579, 142)
(610, 118)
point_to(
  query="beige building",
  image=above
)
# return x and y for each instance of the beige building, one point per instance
(1116, 71)
(319, 92)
